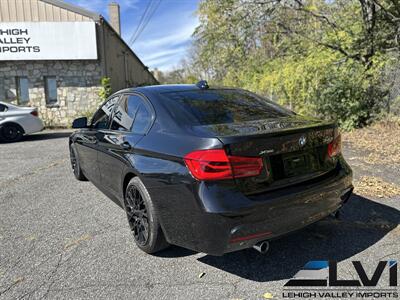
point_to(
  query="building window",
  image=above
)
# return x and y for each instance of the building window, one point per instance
(51, 90)
(22, 90)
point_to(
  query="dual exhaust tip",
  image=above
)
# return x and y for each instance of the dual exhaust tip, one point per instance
(262, 247)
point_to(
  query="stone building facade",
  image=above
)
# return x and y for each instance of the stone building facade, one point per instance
(77, 88)
(73, 85)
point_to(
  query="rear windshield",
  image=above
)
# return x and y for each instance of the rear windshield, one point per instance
(207, 107)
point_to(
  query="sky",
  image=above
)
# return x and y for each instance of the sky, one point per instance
(166, 38)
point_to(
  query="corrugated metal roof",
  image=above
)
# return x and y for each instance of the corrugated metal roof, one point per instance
(74, 8)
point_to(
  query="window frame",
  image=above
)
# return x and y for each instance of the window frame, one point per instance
(46, 91)
(18, 88)
(148, 105)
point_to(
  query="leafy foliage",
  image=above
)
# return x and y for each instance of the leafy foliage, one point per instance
(322, 58)
(105, 90)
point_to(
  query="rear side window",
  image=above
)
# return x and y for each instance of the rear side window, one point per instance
(132, 114)
(206, 107)
(125, 112)
(142, 120)
(3, 108)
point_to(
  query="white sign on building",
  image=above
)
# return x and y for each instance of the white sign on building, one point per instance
(48, 41)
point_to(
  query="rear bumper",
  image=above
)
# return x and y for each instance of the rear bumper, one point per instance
(32, 125)
(215, 218)
(305, 210)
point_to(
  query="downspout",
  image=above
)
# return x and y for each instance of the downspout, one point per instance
(103, 48)
(126, 69)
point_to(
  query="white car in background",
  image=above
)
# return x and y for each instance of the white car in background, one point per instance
(16, 121)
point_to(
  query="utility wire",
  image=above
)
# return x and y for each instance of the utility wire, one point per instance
(133, 36)
(146, 22)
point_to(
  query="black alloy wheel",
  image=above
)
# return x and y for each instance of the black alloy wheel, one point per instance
(75, 164)
(142, 218)
(137, 215)
(11, 133)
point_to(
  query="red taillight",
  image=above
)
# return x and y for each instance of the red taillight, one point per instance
(245, 166)
(215, 164)
(34, 113)
(335, 147)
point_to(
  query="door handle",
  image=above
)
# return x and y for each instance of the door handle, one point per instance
(126, 146)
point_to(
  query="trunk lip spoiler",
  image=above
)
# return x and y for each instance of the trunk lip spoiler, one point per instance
(275, 133)
(229, 139)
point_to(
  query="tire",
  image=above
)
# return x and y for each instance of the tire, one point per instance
(11, 133)
(142, 218)
(76, 168)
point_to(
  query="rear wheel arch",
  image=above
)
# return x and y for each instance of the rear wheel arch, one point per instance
(154, 236)
(127, 178)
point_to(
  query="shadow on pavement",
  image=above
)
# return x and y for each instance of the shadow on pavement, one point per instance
(175, 251)
(363, 223)
(46, 136)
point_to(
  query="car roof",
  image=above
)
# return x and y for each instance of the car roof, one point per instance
(13, 106)
(169, 88)
(7, 104)
(165, 88)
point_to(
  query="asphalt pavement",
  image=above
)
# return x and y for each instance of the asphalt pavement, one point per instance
(63, 239)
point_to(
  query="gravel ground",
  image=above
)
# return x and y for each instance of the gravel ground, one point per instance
(60, 238)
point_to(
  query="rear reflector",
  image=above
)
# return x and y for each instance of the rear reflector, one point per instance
(335, 147)
(249, 237)
(34, 113)
(215, 164)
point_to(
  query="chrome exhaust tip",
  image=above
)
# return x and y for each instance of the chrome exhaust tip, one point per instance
(336, 214)
(346, 195)
(262, 247)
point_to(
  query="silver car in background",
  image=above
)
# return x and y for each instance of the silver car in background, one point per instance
(17, 121)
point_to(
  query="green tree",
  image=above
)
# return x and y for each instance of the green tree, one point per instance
(324, 58)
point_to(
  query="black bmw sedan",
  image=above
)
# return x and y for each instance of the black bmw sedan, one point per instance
(214, 170)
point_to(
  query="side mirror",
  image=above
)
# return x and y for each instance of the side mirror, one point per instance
(80, 123)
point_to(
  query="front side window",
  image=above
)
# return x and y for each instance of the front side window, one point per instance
(3, 108)
(51, 90)
(102, 116)
(22, 90)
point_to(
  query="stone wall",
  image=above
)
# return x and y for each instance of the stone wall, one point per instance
(78, 85)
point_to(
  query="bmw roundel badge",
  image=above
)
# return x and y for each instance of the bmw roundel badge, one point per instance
(302, 141)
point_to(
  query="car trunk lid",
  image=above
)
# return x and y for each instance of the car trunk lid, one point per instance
(293, 149)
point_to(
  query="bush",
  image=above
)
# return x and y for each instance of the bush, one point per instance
(105, 90)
